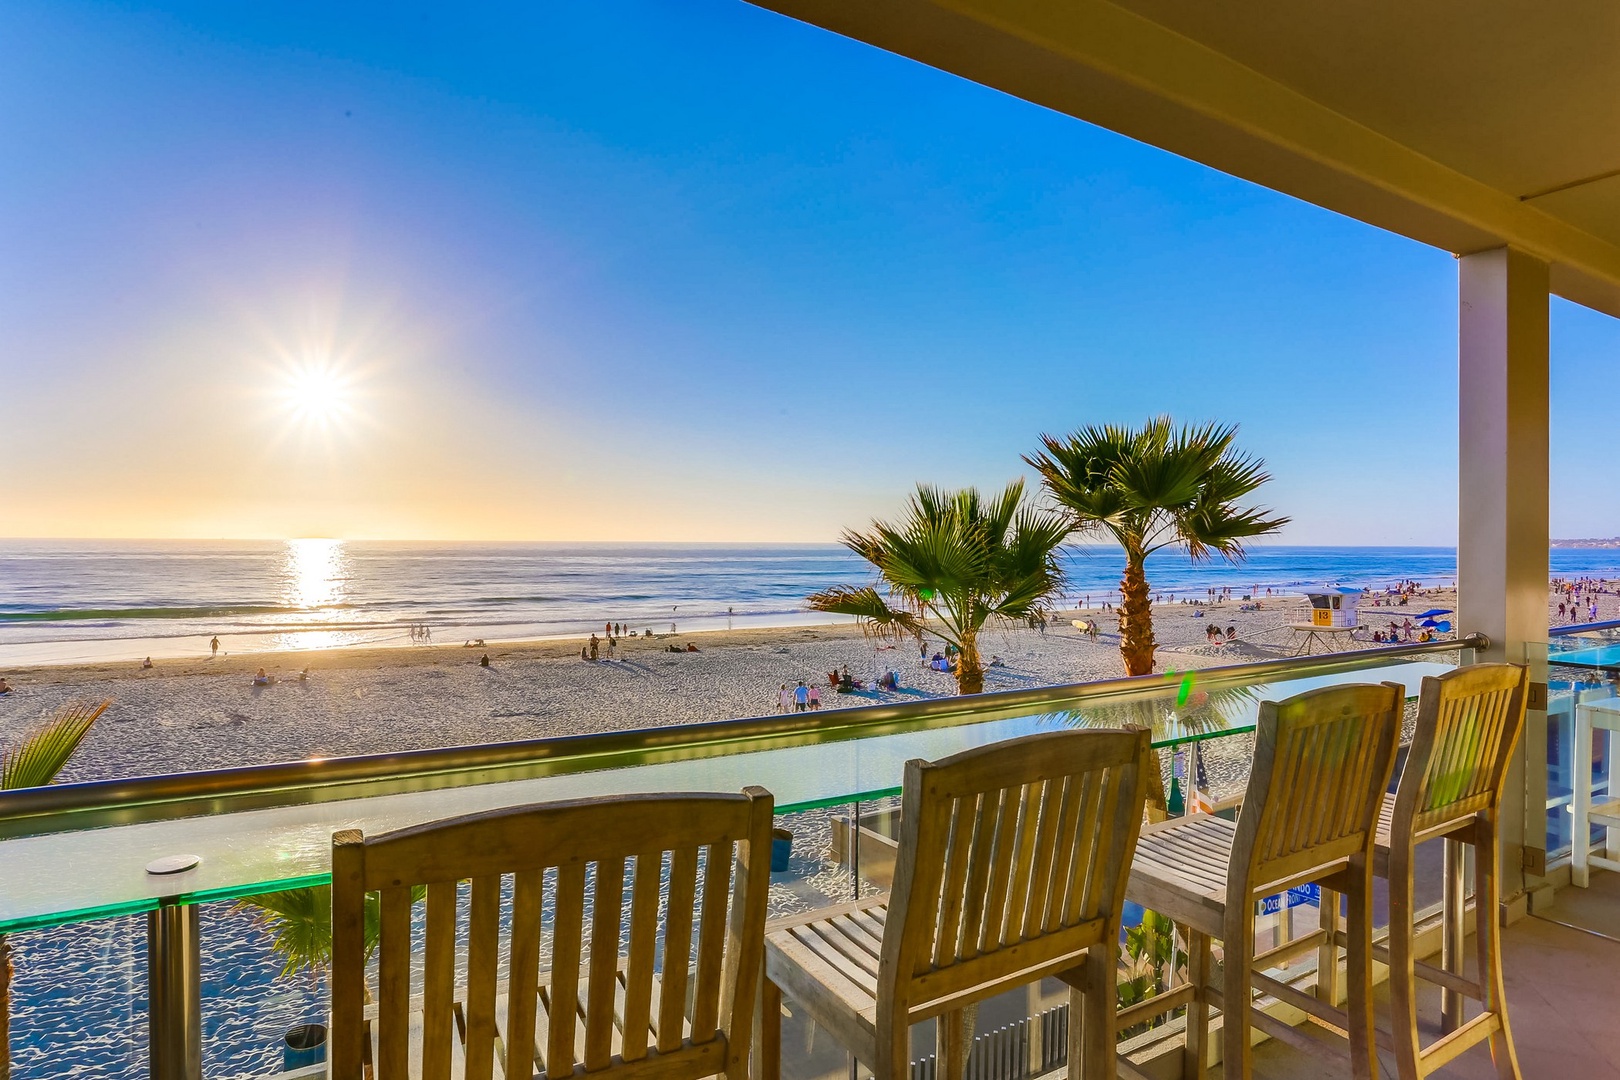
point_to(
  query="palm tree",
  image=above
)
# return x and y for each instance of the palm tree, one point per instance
(954, 562)
(1151, 489)
(35, 762)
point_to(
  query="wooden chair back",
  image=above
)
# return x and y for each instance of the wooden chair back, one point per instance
(1469, 722)
(575, 869)
(1322, 761)
(1013, 860)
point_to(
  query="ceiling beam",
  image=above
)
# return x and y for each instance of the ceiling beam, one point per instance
(1111, 67)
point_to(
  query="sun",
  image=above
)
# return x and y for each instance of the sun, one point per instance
(318, 392)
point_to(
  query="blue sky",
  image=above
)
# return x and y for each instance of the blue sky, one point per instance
(660, 271)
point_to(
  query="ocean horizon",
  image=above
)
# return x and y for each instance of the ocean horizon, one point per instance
(74, 601)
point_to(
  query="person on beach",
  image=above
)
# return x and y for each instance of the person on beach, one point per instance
(613, 647)
(260, 678)
(784, 699)
(815, 698)
(801, 697)
(584, 653)
(483, 661)
(5, 687)
(213, 648)
(147, 663)
(594, 646)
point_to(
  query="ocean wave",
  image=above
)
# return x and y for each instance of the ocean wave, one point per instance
(211, 611)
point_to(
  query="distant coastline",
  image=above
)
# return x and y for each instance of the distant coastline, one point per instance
(1610, 542)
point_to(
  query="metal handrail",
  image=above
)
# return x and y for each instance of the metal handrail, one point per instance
(94, 804)
(1581, 628)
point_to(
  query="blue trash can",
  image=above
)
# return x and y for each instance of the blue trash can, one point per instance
(781, 849)
(302, 1046)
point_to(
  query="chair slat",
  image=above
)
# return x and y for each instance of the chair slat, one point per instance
(568, 927)
(963, 820)
(483, 960)
(528, 897)
(394, 980)
(711, 941)
(607, 914)
(677, 948)
(438, 980)
(999, 885)
(1042, 859)
(638, 983)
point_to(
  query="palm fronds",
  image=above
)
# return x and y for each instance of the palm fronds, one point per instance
(40, 756)
(299, 922)
(954, 561)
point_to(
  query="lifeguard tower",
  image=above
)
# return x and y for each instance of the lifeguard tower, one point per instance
(1333, 620)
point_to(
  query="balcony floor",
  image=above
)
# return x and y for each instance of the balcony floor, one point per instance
(1563, 991)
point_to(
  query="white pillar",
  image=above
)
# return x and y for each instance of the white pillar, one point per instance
(1502, 540)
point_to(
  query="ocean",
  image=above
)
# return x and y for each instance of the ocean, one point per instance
(71, 601)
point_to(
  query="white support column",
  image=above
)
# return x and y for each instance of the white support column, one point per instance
(1503, 509)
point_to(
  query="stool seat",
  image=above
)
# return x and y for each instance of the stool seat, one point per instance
(1180, 870)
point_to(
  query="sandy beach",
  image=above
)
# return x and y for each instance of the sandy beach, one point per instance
(203, 714)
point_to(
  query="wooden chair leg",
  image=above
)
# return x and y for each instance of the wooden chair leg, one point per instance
(1327, 957)
(768, 1039)
(1403, 1020)
(1195, 1052)
(1488, 946)
(1358, 972)
(1237, 941)
(951, 1046)
(1099, 1001)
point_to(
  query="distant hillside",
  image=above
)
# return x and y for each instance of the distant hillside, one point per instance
(1610, 542)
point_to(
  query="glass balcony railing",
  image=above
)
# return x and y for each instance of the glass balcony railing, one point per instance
(1583, 668)
(119, 969)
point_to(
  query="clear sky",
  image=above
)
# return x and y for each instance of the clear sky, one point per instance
(666, 271)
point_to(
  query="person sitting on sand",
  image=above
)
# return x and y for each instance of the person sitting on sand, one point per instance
(691, 647)
(260, 678)
(1231, 633)
(147, 663)
(483, 661)
(5, 687)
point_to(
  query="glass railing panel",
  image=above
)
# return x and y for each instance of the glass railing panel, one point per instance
(78, 1001)
(82, 874)
(837, 798)
(1583, 667)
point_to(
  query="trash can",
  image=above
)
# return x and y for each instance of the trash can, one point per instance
(781, 849)
(303, 1045)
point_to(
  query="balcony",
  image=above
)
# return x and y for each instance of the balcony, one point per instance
(124, 968)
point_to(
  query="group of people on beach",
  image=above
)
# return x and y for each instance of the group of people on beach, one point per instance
(797, 698)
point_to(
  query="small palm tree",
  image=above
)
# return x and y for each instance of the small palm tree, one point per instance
(300, 925)
(1151, 489)
(955, 561)
(35, 762)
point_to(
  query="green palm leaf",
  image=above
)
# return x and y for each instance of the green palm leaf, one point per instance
(953, 562)
(1155, 487)
(36, 761)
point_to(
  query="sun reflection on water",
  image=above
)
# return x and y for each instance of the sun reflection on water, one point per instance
(316, 573)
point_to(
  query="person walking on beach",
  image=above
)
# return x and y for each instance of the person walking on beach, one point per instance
(784, 699)
(815, 698)
(613, 647)
(801, 697)
(213, 647)
(595, 644)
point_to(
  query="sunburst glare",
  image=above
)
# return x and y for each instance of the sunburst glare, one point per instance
(318, 392)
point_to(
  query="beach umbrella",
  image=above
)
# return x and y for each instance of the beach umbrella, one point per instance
(1432, 612)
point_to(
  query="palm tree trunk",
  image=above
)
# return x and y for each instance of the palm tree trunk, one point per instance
(1136, 644)
(5, 1008)
(969, 671)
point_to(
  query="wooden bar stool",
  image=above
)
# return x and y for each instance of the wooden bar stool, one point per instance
(1469, 722)
(1011, 867)
(1322, 761)
(674, 1008)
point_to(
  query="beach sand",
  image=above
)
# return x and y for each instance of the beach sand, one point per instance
(205, 714)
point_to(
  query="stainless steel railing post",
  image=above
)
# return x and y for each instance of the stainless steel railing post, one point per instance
(174, 992)
(1453, 906)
